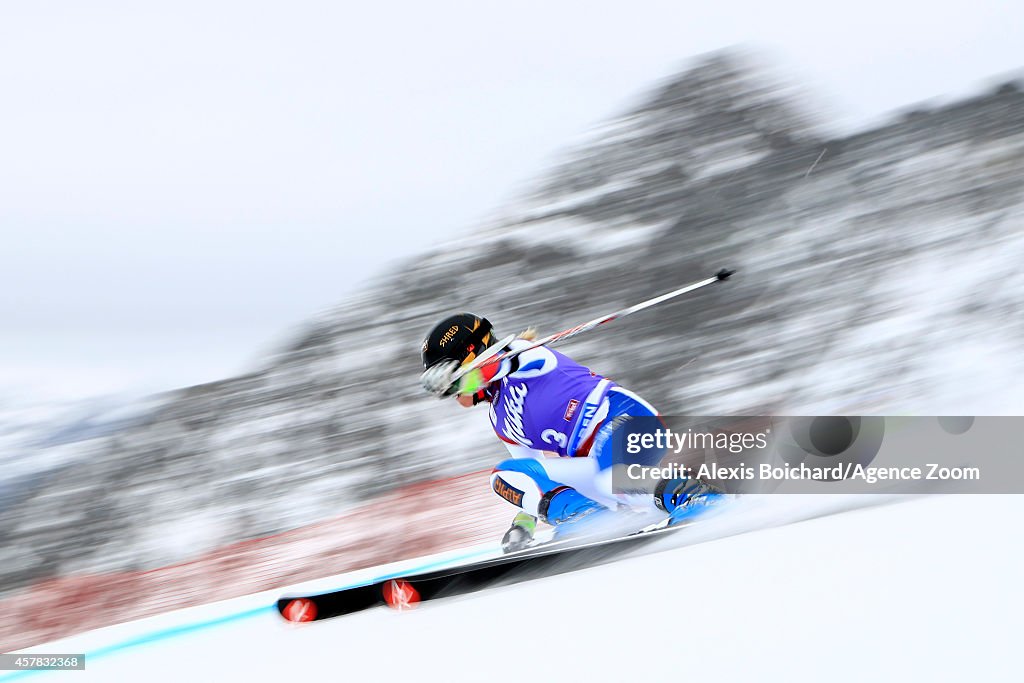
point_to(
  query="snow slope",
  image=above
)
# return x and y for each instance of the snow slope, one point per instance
(922, 590)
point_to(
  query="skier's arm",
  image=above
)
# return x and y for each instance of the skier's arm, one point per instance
(478, 379)
(537, 361)
(520, 533)
(438, 378)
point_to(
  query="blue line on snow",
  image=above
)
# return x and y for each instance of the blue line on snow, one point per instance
(174, 631)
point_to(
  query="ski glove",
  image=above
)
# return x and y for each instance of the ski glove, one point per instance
(520, 533)
(437, 379)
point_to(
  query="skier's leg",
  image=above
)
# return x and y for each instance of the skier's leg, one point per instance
(527, 484)
(677, 497)
(582, 475)
(622, 404)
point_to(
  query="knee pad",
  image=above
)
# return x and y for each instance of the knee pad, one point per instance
(522, 483)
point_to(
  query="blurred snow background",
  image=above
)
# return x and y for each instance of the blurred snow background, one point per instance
(878, 272)
(184, 188)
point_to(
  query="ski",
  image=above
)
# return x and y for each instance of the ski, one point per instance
(406, 591)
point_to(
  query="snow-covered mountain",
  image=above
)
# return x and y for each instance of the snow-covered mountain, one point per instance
(878, 272)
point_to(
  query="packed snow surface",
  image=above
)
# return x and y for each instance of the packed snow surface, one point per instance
(920, 589)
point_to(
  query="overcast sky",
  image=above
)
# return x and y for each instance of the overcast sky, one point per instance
(182, 182)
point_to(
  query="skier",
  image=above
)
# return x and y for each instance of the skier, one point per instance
(542, 402)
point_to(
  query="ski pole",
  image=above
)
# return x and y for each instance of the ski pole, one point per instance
(573, 331)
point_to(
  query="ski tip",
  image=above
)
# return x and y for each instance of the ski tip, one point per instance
(724, 274)
(299, 610)
(399, 594)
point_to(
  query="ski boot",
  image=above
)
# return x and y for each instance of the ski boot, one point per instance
(683, 499)
(571, 513)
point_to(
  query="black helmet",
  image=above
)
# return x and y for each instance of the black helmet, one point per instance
(458, 337)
